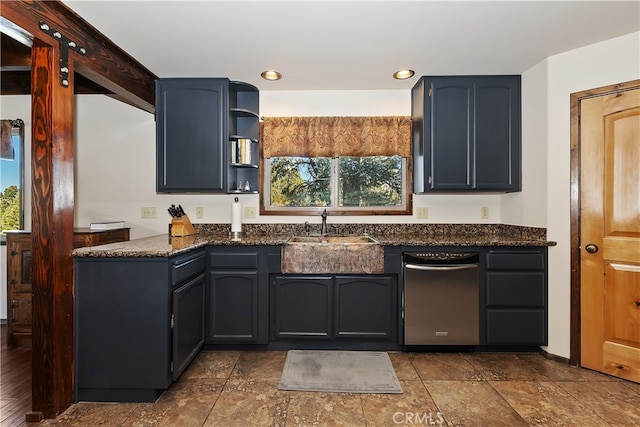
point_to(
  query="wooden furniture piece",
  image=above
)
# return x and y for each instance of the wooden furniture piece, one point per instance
(19, 273)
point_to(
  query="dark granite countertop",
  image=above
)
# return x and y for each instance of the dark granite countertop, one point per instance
(163, 245)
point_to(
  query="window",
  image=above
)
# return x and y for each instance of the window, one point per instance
(347, 184)
(12, 175)
(348, 165)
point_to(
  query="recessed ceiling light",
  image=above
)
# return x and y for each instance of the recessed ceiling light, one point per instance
(403, 74)
(271, 75)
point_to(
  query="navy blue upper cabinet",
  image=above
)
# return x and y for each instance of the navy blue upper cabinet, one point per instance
(466, 134)
(191, 134)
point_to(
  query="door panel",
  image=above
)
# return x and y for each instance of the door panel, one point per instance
(622, 291)
(610, 233)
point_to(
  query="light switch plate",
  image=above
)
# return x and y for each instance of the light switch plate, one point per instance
(148, 213)
(422, 213)
(249, 212)
(199, 212)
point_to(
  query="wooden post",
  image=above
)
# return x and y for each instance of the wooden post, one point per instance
(52, 234)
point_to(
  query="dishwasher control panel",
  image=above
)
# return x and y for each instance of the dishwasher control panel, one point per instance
(441, 257)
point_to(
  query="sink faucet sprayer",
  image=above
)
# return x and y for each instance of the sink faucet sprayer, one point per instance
(323, 227)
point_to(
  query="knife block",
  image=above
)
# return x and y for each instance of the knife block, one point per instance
(181, 227)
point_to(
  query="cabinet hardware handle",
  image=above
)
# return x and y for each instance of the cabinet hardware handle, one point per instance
(591, 248)
(638, 304)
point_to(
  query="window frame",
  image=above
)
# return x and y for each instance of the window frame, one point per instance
(265, 193)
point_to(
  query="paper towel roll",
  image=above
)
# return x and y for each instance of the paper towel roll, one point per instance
(236, 216)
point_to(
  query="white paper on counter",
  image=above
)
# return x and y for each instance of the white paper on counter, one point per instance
(236, 217)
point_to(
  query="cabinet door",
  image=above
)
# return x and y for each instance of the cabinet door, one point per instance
(365, 307)
(191, 133)
(497, 133)
(188, 323)
(302, 307)
(233, 307)
(449, 125)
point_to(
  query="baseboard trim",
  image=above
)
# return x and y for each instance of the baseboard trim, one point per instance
(554, 357)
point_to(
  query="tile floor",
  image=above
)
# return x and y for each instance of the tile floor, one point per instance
(453, 389)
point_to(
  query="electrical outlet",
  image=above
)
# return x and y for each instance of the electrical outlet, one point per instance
(148, 213)
(199, 212)
(249, 212)
(484, 212)
(422, 213)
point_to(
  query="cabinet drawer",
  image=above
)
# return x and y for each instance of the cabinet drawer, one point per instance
(532, 260)
(234, 260)
(516, 327)
(515, 289)
(187, 266)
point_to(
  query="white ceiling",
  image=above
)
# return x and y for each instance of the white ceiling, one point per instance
(351, 45)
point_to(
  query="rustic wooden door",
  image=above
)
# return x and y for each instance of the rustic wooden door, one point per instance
(610, 233)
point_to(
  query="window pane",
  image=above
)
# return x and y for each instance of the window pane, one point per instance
(370, 181)
(300, 181)
(11, 187)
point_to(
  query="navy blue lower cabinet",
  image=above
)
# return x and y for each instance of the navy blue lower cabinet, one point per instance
(232, 299)
(365, 307)
(138, 324)
(302, 307)
(188, 323)
(237, 295)
(342, 308)
(516, 297)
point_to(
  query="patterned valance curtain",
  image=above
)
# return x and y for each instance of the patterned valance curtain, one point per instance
(337, 136)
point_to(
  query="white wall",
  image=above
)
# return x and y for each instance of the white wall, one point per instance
(529, 207)
(597, 65)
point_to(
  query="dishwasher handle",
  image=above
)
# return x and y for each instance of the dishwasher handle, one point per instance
(426, 267)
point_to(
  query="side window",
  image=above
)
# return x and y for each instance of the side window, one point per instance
(12, 175)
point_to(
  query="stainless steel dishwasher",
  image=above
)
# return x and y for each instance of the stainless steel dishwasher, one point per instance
(441, 298)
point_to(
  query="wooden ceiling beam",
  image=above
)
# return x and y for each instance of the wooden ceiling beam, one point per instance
(18, 82)
(104, 63)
